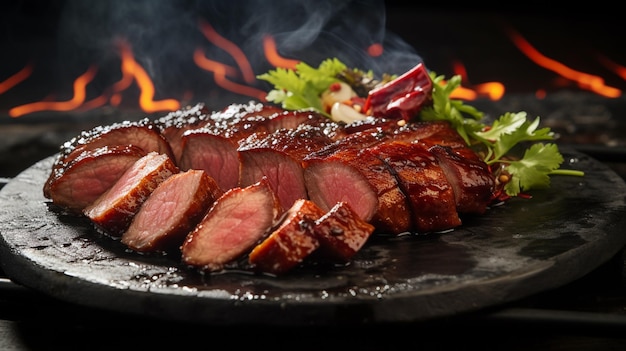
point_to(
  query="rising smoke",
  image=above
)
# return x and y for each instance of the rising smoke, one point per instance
(164, 34)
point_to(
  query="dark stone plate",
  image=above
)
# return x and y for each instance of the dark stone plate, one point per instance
(513, 251)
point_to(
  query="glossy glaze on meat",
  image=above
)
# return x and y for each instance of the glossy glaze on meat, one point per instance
(224, 178)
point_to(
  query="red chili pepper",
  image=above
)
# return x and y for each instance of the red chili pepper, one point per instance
(334, 86)
(401, 98)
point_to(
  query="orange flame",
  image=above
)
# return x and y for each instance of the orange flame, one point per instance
(133, 72)
(273, 57)
(463, 93)
(127, 77)
(610, 64)
(492, 90)
(228, 46)
(130, 70)
(16, 79)
(584, 80)
(146, 102)
(220, 72)
(79, 97)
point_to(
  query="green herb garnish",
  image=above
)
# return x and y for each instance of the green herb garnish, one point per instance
(496, 141)
(301, 89)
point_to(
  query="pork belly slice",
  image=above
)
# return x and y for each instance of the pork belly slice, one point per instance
(236, 222)
(341, 233)
(171, 211)
(174, 124)
(213, 148)
(471, 179)
(89, 175)
(278, 157)
(362, 180)
(424, 182)
(114, 210)
(290, 242)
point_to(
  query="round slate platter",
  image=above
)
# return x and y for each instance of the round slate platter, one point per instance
(515, 250)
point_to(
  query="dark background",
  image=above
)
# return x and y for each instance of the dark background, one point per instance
(61, 38)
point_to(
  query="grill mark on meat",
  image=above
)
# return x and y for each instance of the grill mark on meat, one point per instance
(171, 211)
(423, 181)
(236, 222)
(363, 181)
(278, 157)
(291, 242)
(89, 175)
(113, 211)
(341, 233)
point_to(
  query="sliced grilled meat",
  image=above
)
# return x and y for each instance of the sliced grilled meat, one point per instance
(365, 182)
(472, 180)
(141, 134)
(113, 211)
(213, 147)
(278, 157)
(345, 171)
(291, 242)
(171, 211)
(89, 175)
(236, 222)
(174, 124)
(423, 181)
(357, 137)
(467, 173)
(341, 233)
(293, 119)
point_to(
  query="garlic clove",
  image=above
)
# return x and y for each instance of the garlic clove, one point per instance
(343, 113)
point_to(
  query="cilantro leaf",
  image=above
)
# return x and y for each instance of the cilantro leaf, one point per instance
(300, 89)
(464, 118)
(533, 169)
(511, 129)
